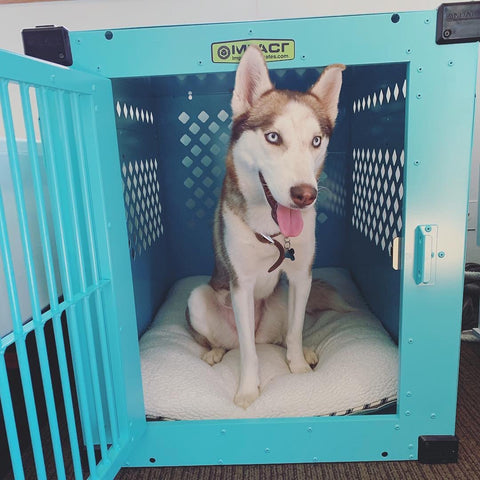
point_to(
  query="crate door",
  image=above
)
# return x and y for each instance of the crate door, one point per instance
(71, 399)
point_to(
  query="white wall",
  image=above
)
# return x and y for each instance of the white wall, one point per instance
(102, 14)
(93, 14)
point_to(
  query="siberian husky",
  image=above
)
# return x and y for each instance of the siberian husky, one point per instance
(265, 223)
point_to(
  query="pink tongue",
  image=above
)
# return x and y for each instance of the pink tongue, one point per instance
(290, 221)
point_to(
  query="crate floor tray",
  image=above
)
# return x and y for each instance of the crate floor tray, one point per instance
(357, 369)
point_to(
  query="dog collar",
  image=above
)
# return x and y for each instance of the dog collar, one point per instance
(283, 251)
(268, 195)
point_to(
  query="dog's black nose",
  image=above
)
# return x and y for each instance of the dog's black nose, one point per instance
(303, 195)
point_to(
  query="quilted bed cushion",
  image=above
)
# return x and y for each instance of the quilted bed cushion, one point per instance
(357, 369)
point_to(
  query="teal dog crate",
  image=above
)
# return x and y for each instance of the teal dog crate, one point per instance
(117, 180)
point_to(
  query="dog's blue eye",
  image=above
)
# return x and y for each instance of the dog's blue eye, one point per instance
(273, 137)
(316, 142)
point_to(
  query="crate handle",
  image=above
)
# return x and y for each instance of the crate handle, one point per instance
(425, 263)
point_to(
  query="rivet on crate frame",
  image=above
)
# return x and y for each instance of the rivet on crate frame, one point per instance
(378, 177)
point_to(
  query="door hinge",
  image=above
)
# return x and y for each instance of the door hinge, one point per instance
(49, 43)
(458, 22)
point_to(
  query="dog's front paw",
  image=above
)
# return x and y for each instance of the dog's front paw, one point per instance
(244, 398)
(310, 356)
(213, 356)
(299, 367)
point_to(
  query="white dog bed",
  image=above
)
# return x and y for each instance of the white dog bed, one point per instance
(357, 368)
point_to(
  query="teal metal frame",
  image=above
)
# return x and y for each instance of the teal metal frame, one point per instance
(438, 138)
(74, 108)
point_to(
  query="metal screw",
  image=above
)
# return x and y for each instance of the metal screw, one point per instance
(427, 21)
(433, 416)
(409, 394)
(410, 340)
(419, 96)
(397, 427)
(441, 254)
(420, 69)
(447, 33)
(416, 163)
(267, 450)
(408, 413)
(451, 63)
(309, 429)
(428, 228)
(408, 51)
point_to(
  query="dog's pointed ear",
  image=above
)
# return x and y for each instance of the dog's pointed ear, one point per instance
(251, 81)
(327, 89)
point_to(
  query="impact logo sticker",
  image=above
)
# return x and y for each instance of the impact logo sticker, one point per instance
(273, 50)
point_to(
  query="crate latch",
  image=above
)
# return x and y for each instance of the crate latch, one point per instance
(396, 253)
(425, 263)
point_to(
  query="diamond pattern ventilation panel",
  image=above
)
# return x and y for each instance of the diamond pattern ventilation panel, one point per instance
(141, 188)
(205, 137)
(378, 178)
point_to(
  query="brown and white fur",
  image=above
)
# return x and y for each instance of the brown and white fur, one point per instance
(284, 136)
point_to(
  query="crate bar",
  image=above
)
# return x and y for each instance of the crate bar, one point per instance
(51, 281)
(50, 158)
(19, 69)
(32, 285)
(7, 410)
(49, 314)
(12, 292)
(95, 378)
(86, 195)
(112, 249)
(21, 347)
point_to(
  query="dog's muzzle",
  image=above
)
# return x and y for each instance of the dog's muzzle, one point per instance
(290, 220)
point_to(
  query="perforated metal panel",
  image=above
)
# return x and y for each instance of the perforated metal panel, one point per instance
(377, 110)
(205, 139)
(378, 194)
(378, 172)
(141, 190)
